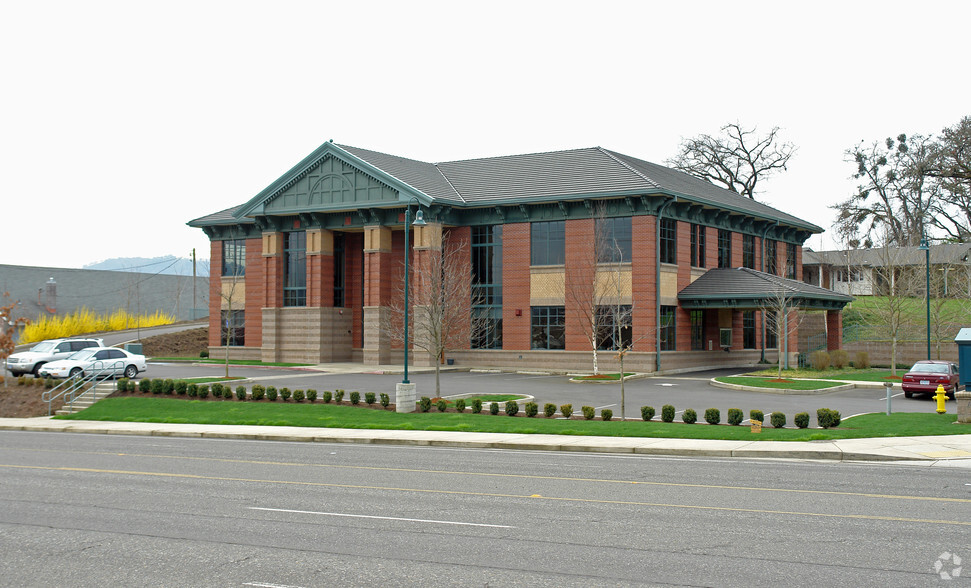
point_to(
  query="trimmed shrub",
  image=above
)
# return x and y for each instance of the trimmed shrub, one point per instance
(839, 358)
(647, 413)
(424, 404)
(549, 409)
(258, 392)
(493, 408)
(460, 405)
(144, 385)
(713, 416)
(862, 360)
(819, 360)
(192, 390)
(588, 412)
(778, 419)
(801, 420)
(204, 354)
(512, 407)
(828, 418)
(756, 415)
(339, 396)
(385, 400)
(476, 405)
(667, 413)
(298, 396)
(121, 385)
(606, 414)
(566, 410)
(180, 387)
(203, 391)
(327, 396)
(689, 417)
(355, 397)
(168, 387)
(285, 394)
(271, 393)
(369, 398)
(531, 409)
(241, 392)
(311, 395)
(158, 386)
(441, 404)
(228, 392)
(735, 416)
(217, 390)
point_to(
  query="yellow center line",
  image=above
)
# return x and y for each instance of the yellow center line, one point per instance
(553, 478)
(496, 495)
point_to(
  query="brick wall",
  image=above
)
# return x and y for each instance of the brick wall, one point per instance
(353, 283)
(254, 293)
(215, 290)
(644, 282)
(515, 286)
(682, 319)
(580, 272)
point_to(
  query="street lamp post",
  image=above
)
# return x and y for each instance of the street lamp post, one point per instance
(405, 391)
(925, 247)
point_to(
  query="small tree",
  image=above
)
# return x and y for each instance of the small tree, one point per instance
(8, 326)
(780, 309)
(233, 275)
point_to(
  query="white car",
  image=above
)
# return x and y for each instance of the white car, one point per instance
(31, 361)
(106, 361)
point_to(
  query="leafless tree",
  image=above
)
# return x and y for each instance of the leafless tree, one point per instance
(781, 311)
(897, 286)
(8, 326)
(231, 287)
(737, 159)
(441, 300)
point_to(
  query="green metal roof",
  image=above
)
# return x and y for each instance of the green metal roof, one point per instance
(748, 288)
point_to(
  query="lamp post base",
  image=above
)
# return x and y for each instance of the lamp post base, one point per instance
(405, 397)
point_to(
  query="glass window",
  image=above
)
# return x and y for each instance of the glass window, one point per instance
(234, 257)
(748, 329)
(791, 261)
(614, 239)
(724, 248)
(295, 268)
(697, 246)
(668, 329)
(771, 330)
(548, 327)
(614, 327)
(547, 243)
(771, 259)
(233, 328)
(669, 240)
(748, 251)
(487, 287)
(697, 330)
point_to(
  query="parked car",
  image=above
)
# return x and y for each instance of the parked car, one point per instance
(926, 375)
(106, 361)
(31, 361)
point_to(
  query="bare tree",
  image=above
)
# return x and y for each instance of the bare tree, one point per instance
(229, 291)
(8, 326)
(949, 307)
(441, 298)
(780, 309)
(896, 285)
(737, 159)
(951, 164)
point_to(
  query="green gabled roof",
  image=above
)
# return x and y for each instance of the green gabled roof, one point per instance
(742, 287)
(516, 179)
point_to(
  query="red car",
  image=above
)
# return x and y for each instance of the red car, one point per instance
(926, 375)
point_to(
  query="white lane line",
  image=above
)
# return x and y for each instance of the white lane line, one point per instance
(355, 516)
(267, 585)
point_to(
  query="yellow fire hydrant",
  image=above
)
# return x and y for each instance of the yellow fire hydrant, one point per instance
(940, 397)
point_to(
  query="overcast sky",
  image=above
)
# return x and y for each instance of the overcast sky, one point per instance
(122, 121)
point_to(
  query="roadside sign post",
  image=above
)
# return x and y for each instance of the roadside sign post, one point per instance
(889, 386)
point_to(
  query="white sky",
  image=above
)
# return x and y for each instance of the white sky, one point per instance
(121, 121)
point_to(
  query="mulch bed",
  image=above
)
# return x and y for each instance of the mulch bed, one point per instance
(18, 402)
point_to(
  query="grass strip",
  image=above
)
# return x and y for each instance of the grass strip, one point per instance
(867, 375)
(602, 377)
(233, 361)
(234, 412)
(787, 385)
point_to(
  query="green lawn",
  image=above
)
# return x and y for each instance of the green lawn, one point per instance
(233, 412)
(761, 382)
(602, 377)
(865, 375)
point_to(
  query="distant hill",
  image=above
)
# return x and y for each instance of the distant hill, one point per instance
(165, 265)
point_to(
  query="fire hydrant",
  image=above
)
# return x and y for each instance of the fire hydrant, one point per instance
(940, 397)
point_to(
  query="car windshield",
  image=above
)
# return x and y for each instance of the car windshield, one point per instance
(929, 368)
(43, 346)
(83, 354)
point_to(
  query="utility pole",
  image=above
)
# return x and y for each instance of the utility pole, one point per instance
(193, 313)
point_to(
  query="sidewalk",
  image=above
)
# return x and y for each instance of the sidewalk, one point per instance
(948, 451)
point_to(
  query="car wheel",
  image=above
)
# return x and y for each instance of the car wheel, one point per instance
(37, 367)
(131, 371)
(75, 372)
(908, 394)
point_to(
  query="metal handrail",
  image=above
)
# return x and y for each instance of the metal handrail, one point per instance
(72, 385)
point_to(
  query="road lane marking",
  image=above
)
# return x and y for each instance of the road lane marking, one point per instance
(357, 516)
(496, 495)
(532, 477)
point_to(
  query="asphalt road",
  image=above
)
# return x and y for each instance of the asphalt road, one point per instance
(92, 510)
(682, 391)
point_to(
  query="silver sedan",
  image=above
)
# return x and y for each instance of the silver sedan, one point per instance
(105, 362)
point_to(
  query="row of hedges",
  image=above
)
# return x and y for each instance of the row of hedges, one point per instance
(826, 417)
(256, 393)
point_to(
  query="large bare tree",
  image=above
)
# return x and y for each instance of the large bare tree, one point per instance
(738, 159)
(951, 165)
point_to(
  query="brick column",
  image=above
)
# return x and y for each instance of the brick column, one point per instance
(254, 294)
(273, 269)
(320, 268)
(643, 285)
(515, 287)
(682, 320)
(215, 287)
(834, 330)
(579, 274)
(378, 272)
(426, 265)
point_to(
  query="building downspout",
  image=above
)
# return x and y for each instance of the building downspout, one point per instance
(657, 283)
(764, 233)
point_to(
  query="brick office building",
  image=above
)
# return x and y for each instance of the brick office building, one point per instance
(310, 260)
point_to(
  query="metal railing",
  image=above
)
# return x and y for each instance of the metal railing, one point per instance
(74, 387)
